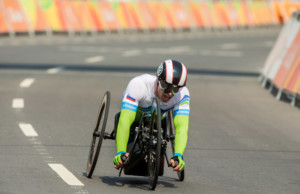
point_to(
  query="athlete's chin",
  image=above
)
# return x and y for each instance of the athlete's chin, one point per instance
(166, 99)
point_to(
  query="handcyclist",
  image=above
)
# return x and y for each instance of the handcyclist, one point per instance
(169, 86)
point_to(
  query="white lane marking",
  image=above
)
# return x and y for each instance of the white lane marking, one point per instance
(131, 53)
(54, 70)
(26, 83)
(220, 53)
(228, 46)
(66, 175)
(170, 50)
(28, 130)
(205, 52)
(18, 103)
(94, 59)
(228, 53)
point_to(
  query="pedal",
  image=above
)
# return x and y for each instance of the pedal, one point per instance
(107, 136)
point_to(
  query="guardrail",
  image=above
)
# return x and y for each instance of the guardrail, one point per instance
(92, 16)
(281, 71)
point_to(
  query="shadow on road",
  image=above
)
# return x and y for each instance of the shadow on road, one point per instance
(125, 69)
(136, 182)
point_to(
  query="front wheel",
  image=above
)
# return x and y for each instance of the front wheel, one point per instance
(98, 135)
(154, 146)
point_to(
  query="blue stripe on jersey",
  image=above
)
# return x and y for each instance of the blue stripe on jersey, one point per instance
(185, 100)
(186, 97)
(182, 112)
(128, 106)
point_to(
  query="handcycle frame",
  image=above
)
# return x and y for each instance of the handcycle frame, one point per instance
(148, 136)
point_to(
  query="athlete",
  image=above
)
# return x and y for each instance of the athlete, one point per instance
(169, 86)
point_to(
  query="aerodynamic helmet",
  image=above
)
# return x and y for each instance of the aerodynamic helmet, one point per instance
(172, 72)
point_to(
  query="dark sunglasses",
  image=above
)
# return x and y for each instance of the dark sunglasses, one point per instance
(167, 88)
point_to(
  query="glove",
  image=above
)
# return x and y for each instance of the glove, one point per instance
(178, 158)
(117, 158)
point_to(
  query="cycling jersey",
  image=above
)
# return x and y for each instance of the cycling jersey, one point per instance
(137, 98)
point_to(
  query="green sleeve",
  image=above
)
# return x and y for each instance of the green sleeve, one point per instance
(181, 123)
(126, 119)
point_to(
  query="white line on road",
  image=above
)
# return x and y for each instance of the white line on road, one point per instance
(131, 53)
(54, 70)
(66, 175)
(26, 83)
(28, 130)
(18, 103)
(94, 59)
(221, 53)
(228, 53)
(228, 46)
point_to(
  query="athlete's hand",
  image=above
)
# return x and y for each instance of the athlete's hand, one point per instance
(118, 163)
(181, 163)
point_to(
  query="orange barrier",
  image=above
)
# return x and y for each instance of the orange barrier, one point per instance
(3, 25)
(52, 16)
(109, 16)
(36, 17)
(14, 16)
(95, 17)
(274, 60)
(137, 16)
(180, 15)
(87, 22)
(291, 67)
(282, 67)
(286, 69)
(206, 15)
(147, 16)
(99, 15)
(194, 9)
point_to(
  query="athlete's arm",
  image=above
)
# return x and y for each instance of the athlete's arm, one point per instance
(181, 123)
(128, 114)
(126, 119)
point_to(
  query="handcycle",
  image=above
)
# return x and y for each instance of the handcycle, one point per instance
(147, 143)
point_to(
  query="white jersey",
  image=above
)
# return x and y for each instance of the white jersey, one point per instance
(140, 92)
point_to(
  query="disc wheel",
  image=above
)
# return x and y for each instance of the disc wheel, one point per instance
(154, 150)
(172, 134)
(98, 135)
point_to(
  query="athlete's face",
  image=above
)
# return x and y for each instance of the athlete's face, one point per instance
(165, 97)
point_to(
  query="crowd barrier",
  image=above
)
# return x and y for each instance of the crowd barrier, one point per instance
(31, 16)
(281, 72)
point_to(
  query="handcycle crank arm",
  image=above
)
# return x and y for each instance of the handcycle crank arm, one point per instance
(169, 164)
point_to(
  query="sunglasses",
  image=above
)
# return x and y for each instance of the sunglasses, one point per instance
(167, 88)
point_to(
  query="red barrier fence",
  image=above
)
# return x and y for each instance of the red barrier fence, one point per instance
(281, 72)
(99, 15)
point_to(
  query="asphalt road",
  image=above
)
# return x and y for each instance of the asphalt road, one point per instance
(241, 139)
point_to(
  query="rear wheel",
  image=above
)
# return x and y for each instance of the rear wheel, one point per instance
(172, 140)
(154, 147)
(98, 135)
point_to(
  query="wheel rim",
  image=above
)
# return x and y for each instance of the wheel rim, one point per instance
(98, 135)
(154, 156)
